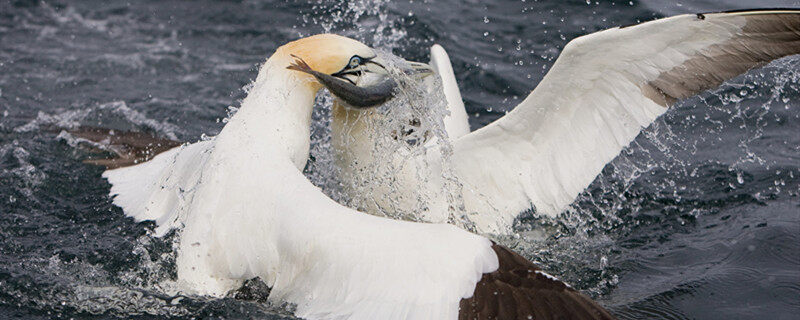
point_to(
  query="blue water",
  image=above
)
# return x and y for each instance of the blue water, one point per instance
(698, 219)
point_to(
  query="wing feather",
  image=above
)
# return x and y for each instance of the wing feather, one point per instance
(160, 189)
(523, 291)
(260, 217)
(603, 89)
(457, 122)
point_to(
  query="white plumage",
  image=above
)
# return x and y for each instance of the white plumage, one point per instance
(247, 211)
(456, 123)
(603, 89)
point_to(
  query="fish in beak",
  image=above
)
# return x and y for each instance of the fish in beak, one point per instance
(363, 83)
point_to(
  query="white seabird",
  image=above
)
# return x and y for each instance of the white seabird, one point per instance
(599, 94)
(245, 210)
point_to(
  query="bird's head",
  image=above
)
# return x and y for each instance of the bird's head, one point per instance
(351, 71)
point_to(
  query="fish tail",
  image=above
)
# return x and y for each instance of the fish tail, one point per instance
(300, 65)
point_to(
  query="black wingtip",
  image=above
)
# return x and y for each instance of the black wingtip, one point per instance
(518, 289)
(127, 147)
(793, 10)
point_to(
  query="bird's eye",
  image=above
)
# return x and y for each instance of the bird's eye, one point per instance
(355, 61)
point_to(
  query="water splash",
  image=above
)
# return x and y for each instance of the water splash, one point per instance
(369, 21)
(114, 114)
(656, 180)
(18, 170)
(663, 162)
(403, 138)
(672, 176)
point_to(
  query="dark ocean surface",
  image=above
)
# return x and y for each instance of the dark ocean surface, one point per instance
(698, 219)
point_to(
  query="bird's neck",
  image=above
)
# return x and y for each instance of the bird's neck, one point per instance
(275, 117)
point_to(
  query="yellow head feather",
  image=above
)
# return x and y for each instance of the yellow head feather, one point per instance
(326, 53)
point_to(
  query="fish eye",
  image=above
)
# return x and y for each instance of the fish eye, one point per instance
(355, 61)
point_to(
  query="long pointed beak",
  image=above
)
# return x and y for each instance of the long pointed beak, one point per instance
(420, 69)
(377, 66)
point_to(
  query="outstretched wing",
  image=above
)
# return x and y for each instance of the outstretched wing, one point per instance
(269, 221)
(260, 217)
(603, 89)
(246, 215)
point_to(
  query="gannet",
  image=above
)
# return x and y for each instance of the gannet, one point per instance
(599, 94)
(244, 209)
